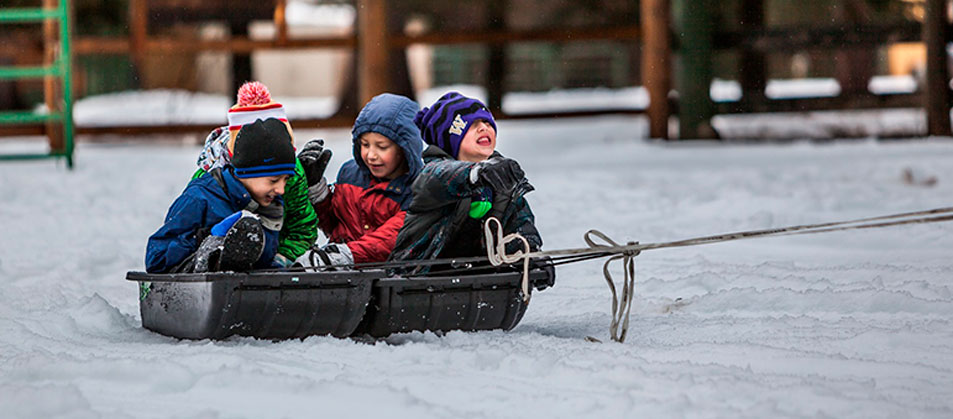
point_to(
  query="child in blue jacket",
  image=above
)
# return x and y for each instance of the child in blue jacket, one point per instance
(229, 218)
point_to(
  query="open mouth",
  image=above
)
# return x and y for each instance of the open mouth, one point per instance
(483, 141)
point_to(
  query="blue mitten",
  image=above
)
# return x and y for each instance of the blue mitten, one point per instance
(222, 227)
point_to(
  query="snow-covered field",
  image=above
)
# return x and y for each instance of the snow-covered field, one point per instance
(847, 324)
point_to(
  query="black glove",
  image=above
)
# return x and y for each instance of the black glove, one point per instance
(546, 265)
(499, 173)
(314, 158)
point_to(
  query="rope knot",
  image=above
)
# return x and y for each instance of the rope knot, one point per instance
(632, 250)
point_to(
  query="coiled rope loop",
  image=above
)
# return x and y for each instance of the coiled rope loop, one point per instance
(620, 309)
(496, 250)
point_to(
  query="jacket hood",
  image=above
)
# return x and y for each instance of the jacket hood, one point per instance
(393, 117)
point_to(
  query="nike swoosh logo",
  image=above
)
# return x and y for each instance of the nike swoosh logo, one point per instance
(268, 160)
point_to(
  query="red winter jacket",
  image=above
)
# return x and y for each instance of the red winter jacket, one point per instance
(365, 212)
(367, 219)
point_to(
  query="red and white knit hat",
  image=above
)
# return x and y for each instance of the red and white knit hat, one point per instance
(254, 103)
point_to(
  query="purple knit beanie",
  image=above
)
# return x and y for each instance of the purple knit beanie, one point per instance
(445, 123)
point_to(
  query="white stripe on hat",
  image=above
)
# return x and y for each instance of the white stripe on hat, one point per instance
(240, 118)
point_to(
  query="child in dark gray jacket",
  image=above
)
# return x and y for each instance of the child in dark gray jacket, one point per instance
(464, 182)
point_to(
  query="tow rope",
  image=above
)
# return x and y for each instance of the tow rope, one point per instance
(622, 303)
(621, 300)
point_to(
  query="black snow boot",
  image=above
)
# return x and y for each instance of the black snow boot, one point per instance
(208, 255)
(243, 245)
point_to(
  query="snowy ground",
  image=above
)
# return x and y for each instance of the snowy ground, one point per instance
(847, 324)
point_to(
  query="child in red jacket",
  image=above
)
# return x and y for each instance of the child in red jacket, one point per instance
(363, 211)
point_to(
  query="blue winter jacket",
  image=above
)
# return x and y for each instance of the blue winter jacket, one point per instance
(202, 204)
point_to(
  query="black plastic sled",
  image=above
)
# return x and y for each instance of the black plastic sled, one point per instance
(284, 305)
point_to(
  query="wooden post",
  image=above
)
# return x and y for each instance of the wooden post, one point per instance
(372, 49)
(656, 18)
(855, 64)
(138, 32)
(496, 63)
(51, 85)
(399, 71)
(281, 23)
(752, 75)
(695, 107)
(241, 61)
(936, 36)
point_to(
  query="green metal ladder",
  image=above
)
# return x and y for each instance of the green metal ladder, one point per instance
(60, 68)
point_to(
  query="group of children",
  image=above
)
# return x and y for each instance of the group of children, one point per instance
(254, 204)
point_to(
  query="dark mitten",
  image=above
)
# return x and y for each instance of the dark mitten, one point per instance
(502, 200)
(314, 159)
(499, 173)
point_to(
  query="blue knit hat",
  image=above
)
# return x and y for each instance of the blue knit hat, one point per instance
(262, 149)
(445, 123)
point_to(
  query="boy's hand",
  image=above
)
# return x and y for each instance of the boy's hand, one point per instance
(331, 254)
(318, 192)
(499, 173)
(338, 253)
(314, 159)
(280, 261)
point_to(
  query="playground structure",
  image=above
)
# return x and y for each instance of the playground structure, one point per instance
(678, 40)
(57, 122)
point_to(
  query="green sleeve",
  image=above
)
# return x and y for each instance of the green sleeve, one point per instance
(300, 227)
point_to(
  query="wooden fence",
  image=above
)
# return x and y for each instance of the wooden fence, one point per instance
(695, 44)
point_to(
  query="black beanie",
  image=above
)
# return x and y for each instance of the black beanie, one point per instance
(264, 148)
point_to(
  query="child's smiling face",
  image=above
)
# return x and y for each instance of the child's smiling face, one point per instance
(382, 156)
(478, 143)
(264, 190)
